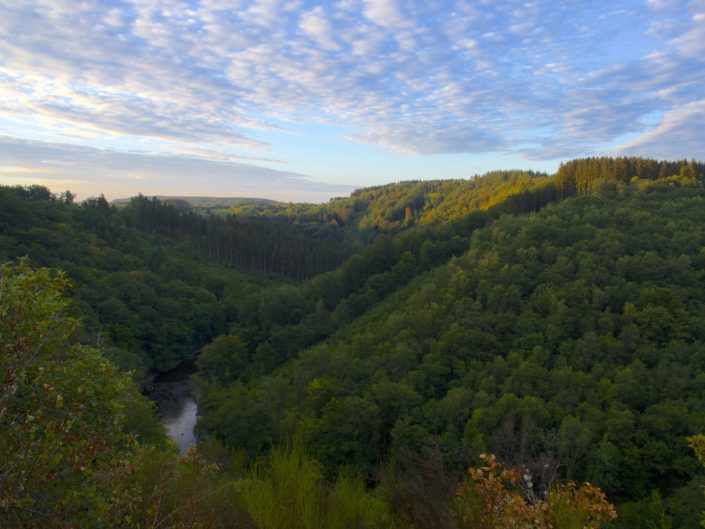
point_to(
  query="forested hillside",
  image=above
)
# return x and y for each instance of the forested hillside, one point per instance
(393, 207)
(150, 304)
(364, 353)
(264, 245)
(569, 342)
(141, 287)
(579, 176)
(80, 450)
(206, 206)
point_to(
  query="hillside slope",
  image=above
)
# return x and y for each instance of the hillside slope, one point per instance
(149, 302)
(569, 342)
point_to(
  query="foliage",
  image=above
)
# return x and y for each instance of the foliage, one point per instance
(568, 342)
(648, 513)
(492, 499)
(420, 490)
(146, 303)
(290, 480)
(61, 408)
(394, 207)
(187, 492)
(69, 453)
(278, 322)
(697, 443)
(252, 244)
(577, 177)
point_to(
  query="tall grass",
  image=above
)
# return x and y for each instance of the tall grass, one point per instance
(350, 506)
(286, 490)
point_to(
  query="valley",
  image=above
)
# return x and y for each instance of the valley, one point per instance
(554, 321)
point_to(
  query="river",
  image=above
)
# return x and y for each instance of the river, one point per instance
(173, 393)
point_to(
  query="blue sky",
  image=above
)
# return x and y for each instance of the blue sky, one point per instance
(301, 100)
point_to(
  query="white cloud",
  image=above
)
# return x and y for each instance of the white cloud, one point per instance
(386, 13)
(315, 24)
(114, 18)
(679, 134)
(264, 13)
(416, 76)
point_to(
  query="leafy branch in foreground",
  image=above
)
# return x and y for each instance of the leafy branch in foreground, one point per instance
(492, 499)
(61, 406)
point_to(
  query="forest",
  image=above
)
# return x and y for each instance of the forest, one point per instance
(514, 350)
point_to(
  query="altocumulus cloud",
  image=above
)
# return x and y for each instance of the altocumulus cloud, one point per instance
(543, 79)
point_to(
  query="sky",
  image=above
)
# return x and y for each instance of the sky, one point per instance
(301, 101)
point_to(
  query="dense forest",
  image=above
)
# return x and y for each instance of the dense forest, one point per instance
(252, 244)
(357, 357)
(393, 207)
(148, 303)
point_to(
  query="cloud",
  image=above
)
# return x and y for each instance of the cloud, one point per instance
(386, 13)
(679, 134)
(315, 24)
(446, 76)
(90, 172)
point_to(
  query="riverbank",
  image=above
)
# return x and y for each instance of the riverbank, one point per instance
(174, 394)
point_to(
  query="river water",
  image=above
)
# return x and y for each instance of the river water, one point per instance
(173, 393)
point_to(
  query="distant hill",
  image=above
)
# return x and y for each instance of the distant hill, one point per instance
(206, 205)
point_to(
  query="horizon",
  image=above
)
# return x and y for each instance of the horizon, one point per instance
(301, 101)
(161, 196)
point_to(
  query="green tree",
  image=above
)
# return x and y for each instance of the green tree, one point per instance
(223, 360)
(61, 409)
